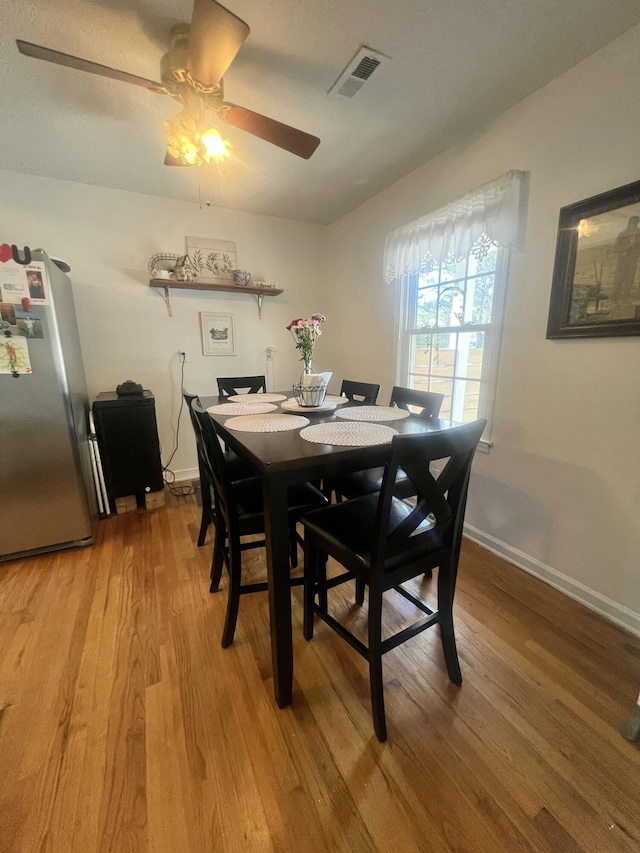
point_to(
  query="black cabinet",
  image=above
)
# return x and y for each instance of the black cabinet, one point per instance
(128, 440)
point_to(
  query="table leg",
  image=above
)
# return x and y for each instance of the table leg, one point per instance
(277, 536)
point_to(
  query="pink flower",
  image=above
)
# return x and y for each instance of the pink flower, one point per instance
(306, 322)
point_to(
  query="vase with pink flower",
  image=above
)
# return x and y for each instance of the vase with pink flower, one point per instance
(305, 333)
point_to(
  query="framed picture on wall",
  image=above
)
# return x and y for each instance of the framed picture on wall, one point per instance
(596, 277)
(218, 336)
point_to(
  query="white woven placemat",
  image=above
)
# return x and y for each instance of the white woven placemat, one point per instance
(372, 413)
(348, 434)
(266, 423)
(241, 408)
(253, 398)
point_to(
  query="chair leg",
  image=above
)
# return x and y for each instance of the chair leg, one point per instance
(359, 591)
(204, 524)
(217, 561)
(293, 544)
(447, 634)
(207, 504)
(233, 602)
(310, 570)
(321, 575)
(375, 664)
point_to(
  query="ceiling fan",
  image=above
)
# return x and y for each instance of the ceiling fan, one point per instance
(191, 72)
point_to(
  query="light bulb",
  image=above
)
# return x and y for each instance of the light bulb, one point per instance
(217, 148)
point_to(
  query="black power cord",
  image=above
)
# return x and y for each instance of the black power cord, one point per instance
(168, 475)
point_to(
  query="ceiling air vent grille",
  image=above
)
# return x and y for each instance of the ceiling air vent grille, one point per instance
(356, 74)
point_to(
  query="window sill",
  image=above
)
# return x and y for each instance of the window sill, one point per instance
(485, 446)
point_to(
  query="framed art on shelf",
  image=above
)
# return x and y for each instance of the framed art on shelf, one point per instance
(218, 336)
(596, 277)
(212, 260)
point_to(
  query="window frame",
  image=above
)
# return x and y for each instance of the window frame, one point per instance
(492, 339)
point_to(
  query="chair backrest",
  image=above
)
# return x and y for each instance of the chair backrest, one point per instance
(360, 392)
(441, 498)
(210, 449)
(428, 402)
(230, 385)
(188, 400)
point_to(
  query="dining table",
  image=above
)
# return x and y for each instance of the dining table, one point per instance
(281, 460)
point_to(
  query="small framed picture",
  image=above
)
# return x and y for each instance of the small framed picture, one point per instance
(596, 279)
(218, 335)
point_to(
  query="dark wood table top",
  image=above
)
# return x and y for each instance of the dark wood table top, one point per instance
(284, 451)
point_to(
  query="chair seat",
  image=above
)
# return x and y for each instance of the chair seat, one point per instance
(301, 498)
(359, 483)
(347, 531)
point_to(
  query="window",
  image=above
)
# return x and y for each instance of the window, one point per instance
(450, 330)
(451, 269)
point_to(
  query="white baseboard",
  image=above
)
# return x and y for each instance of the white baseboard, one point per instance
(187, 474)
(610, 610)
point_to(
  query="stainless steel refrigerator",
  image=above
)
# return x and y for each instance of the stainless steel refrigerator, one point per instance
(47, 496)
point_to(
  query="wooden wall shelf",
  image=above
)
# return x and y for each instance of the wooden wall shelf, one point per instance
(168, 284)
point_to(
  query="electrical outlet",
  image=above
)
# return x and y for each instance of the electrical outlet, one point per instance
(183, 355)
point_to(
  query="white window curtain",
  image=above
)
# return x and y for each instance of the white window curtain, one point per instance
(488, 215)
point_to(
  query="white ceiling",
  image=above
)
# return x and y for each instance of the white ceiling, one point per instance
(456, 65)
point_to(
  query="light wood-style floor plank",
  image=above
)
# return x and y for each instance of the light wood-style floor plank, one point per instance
(125, 727)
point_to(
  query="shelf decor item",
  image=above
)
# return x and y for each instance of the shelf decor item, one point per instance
(162, 264)
(212, 260)
(305, 333)
(184, 270)
(596, 278)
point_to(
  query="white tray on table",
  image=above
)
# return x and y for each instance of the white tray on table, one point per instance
(290, 405)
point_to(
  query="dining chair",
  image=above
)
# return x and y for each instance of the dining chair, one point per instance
(230, 385)
(238, 470)
(239, 512)
(382, 541)
(366, 482)
(206, 493)
(360, 392)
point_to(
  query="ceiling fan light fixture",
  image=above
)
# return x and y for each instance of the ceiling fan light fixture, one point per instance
(191, 142)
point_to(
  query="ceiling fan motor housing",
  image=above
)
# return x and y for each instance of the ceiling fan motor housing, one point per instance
(178, 81)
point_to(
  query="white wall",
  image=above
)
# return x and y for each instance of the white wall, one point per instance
(108, 236)
(559, 493)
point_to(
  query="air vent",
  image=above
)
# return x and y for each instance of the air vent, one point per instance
(356, 74)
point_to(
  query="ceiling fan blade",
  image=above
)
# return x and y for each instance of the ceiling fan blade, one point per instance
(216, 36)
(296, 141)
(170, 160)
(39, 52)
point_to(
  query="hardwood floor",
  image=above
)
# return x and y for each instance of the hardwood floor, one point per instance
(124, 726)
